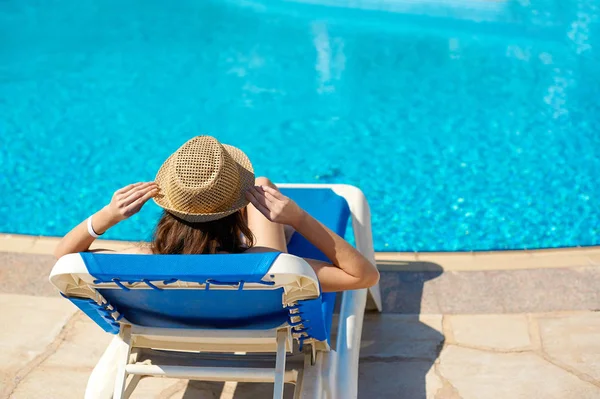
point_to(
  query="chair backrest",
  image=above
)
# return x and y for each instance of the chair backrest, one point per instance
(242, 291)
(181, 306)
(248, 291)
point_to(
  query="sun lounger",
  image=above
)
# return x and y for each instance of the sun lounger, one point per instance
(192, 316)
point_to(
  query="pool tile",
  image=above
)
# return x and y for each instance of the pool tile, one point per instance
(16, 243)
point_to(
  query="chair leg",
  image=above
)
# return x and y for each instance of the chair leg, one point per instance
(122, 361)
(312, 385)
(348, 343)
(298, 386)
(328, 374)
(101, 382)
(280, 364)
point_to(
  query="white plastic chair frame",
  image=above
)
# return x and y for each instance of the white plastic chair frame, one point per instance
(354, 302)
(326, 373)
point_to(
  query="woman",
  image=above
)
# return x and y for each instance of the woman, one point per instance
(205, 188)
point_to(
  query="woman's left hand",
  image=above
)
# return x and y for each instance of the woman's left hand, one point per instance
(275, 206)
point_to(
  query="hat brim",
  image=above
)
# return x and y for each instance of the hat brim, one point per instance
(246, 173)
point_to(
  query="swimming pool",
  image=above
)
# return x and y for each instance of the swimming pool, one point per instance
(470, 125)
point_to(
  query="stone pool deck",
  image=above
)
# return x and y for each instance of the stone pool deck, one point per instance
(511, 325)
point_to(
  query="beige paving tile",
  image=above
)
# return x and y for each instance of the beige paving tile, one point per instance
(82, 346)
(49, 382)
(218, 390)
(52, 383)
(34, 323)
(573, 340)
(485, 375)
(162, 388)
(500, 332)
(432, 320)
(26, 274)
(410, 379)
(401, 336)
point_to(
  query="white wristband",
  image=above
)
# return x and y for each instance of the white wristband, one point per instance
(91, 229)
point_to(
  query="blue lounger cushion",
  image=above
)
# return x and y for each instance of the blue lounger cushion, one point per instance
(229, 267)
(185, 308)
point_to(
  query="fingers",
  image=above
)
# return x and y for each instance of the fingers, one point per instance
(259, 194)
(273, 192)
(252, 195)
(271, 198)
(135, 206)
(138, 192)
(127, 188)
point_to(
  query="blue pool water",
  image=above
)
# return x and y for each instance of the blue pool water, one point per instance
(470, 125)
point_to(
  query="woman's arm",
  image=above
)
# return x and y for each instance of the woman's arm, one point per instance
(349, 269)
(125, 202)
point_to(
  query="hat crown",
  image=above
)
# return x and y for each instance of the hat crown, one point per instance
(202, 177)
(198, 168)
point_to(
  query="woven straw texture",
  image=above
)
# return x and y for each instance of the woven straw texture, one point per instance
(204, 180)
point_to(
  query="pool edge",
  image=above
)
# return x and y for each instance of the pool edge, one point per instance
(386, 261)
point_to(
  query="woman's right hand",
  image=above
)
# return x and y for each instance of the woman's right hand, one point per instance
(128, 200)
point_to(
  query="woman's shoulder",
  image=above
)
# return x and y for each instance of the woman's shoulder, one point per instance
(139, 249)
(259, 250)
(136, 251)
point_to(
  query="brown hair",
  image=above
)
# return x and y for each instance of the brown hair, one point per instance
(177, 236)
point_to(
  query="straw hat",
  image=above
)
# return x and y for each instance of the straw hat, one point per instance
(204, 180)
